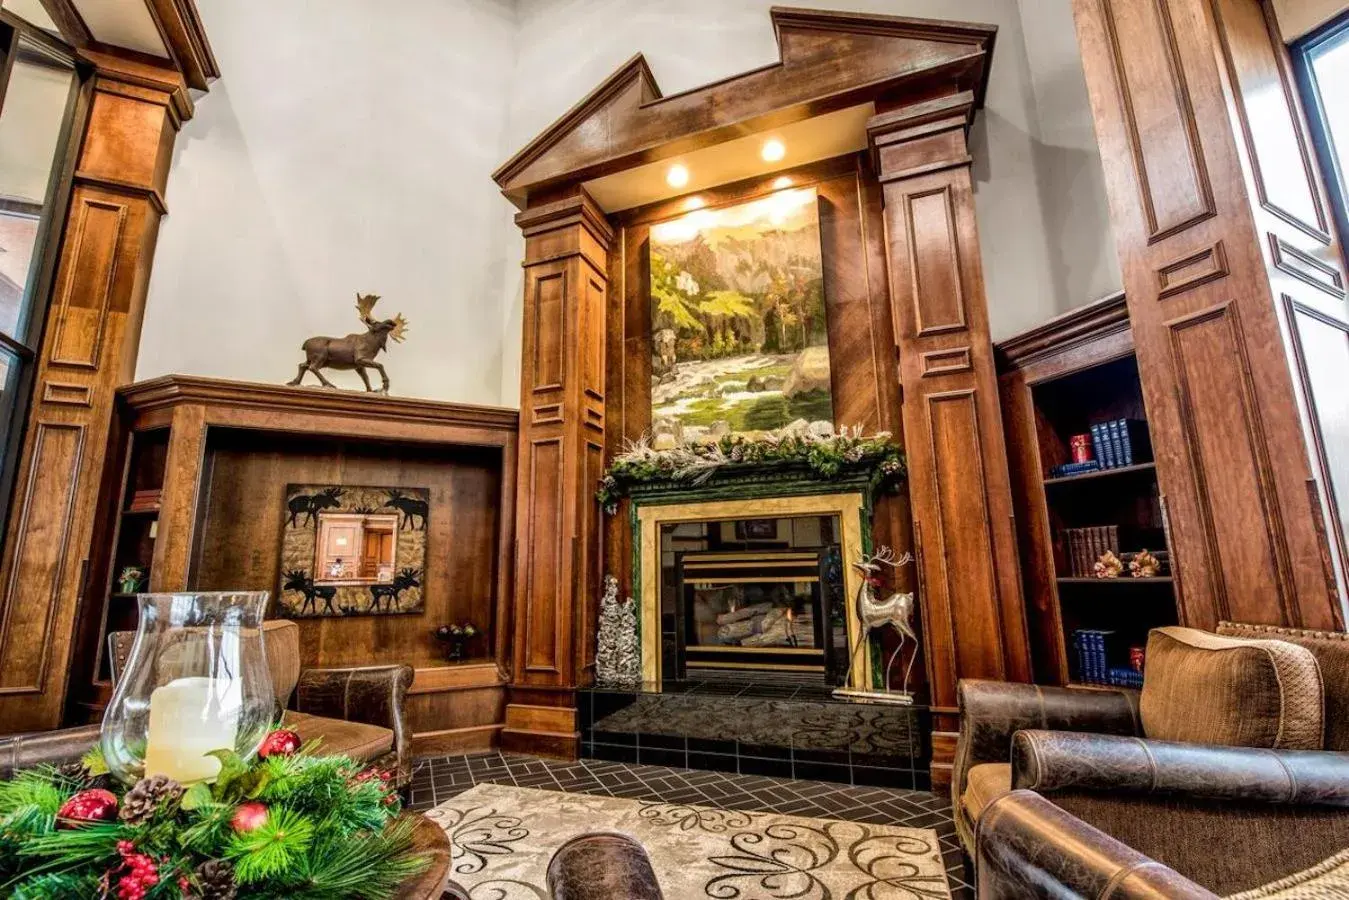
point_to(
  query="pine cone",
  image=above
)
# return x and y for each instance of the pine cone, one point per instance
(215, 880)
(147, 797)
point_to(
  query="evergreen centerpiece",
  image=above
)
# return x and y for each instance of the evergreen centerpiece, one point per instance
(825, 456)
(291, 825)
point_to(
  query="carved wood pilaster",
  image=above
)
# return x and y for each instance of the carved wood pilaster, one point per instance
(969, 587)
(88, 350)
(557, 554)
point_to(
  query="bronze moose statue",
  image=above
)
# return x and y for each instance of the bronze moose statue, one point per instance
(355, 351)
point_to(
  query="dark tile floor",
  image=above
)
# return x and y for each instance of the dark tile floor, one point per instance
(437, 779)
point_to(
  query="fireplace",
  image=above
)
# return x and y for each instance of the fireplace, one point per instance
(757, 612)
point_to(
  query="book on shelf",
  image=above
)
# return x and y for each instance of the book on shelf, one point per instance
(1076, 468)
(144, 501)
(1094, 649)
(1101, 446)
(1121, 442)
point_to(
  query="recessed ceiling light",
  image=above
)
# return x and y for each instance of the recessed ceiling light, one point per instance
(677, 177)
(695, 203)
(773, 150)
(781, 182)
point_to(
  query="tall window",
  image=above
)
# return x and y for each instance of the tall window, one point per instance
(1323, 69)
(39, 94)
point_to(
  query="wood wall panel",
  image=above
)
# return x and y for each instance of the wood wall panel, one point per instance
(964, 533)
(563, 430)
(1246, 483)
(80, 315)
(1224, 435)
(61, 505)
(239, 541)
(1280, 160)
(1158, 114)
(41, 551)
(544, 538)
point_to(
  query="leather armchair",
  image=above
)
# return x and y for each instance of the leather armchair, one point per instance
(992, 712)
(371, 695)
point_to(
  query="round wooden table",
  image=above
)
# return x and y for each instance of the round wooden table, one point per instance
(428, 838)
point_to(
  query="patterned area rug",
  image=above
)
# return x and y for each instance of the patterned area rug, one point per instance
(503, 838)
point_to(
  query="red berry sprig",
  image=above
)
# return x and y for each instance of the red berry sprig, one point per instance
(141, 872)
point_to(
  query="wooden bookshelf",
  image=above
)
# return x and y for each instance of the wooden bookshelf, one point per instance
(1056, 381)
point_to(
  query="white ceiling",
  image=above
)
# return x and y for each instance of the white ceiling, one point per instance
(122, 23)
(30, 11)
(823, 137)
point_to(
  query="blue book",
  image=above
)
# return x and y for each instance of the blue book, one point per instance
(1126, 444)
(1116, 432)
(1101, 446)
(1078, 468)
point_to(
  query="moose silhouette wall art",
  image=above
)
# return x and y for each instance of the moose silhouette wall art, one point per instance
(353, 551)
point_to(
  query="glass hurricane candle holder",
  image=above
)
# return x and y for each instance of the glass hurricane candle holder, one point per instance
(196, 681)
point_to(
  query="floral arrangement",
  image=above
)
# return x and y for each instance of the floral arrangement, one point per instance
(455, 636)
(1108, 566)
(827, 456)
(291, 824)
(1144, 565)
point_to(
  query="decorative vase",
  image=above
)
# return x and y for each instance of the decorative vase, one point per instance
(196, 682)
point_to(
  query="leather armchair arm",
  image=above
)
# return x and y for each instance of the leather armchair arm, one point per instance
(1029, 848)
(374, 695)
(992, 711)
(23, 751)
(1055, 761)
(601, 866)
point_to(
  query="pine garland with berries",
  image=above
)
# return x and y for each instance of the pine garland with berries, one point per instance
(291, 824)
(826, 457)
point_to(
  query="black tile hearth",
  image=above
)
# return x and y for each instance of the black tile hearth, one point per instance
(766, 729)
(437, 779)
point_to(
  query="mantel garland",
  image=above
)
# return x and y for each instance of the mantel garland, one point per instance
(826, 457)
(291, 824)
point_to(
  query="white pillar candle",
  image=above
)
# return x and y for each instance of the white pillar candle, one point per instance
(190, 717)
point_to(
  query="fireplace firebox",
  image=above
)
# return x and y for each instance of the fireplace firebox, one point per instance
(759, 613)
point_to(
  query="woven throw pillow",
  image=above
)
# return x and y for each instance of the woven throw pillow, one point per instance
(1201, 688)
(1331, 649)
(1328, 880)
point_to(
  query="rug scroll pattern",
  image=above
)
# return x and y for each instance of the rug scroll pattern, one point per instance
(503, 838)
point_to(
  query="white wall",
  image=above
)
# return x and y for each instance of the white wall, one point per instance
(1076, 215)
(346, 149)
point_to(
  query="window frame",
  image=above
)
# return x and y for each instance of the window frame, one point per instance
(26, 345)
(1336, 178)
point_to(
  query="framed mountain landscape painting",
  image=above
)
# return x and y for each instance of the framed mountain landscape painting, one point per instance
(739, 342)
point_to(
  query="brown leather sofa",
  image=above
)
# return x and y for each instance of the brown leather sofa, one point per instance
(1226, 818)
(357, 712)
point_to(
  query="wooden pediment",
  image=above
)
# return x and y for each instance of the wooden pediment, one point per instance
(827, 61)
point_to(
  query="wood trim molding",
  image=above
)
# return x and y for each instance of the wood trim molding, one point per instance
(180, 26)
(626, 120)
(1083, 325)
(169, 391)
(68, 21)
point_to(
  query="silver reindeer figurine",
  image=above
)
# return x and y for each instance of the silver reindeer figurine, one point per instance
(896, 610)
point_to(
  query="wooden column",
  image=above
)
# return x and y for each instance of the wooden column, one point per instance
(561, 460)
(964, 537)
(1236, 291)
(88, 349)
